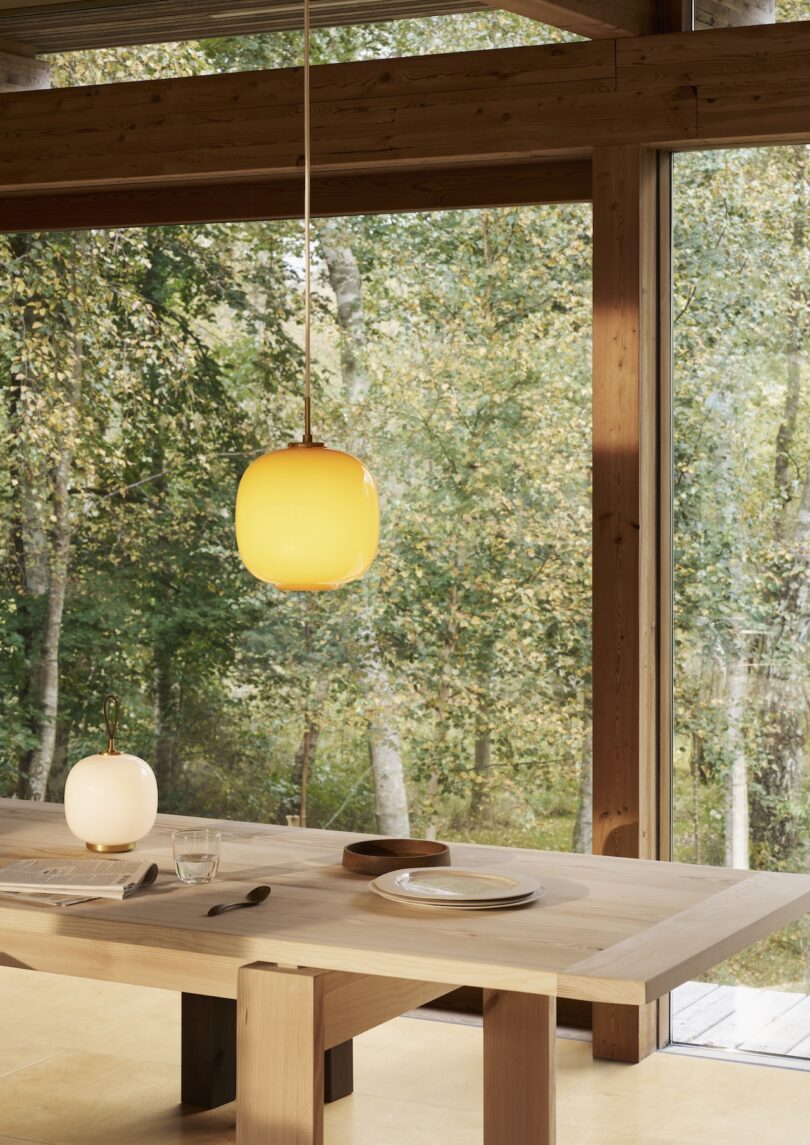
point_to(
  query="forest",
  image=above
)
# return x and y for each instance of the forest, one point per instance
(449, 692)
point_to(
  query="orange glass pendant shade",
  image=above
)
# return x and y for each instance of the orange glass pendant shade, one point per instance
(307, 518)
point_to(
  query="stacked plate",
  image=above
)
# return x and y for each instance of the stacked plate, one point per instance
(456, 889)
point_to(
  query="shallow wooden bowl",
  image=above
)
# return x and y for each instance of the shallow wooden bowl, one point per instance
(378, 856)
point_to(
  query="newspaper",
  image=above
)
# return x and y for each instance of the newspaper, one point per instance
(64, 882)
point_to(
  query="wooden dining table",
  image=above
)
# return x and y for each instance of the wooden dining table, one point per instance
(325, 958)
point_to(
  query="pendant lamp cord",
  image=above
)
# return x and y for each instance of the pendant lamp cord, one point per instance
(307, 239)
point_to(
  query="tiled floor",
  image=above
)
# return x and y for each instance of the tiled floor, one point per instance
(86, 1063)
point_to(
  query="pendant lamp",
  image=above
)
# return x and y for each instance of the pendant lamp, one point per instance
(307, 517)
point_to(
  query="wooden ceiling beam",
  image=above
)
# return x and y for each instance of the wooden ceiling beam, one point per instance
(516, 184)
(684, 90)
(72, 25)
(594, 19)
(69, 25)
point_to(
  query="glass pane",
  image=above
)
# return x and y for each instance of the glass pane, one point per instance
(449, 691)
(742, 559)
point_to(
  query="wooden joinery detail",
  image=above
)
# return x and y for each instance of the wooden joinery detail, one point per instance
(733, 58)
(519, 1068)
(22, 72)
(590, 18)
(208, 1055)
(359, 1002)
(625, 292)
(557, 181)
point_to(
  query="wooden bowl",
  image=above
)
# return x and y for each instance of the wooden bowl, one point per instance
(378, 856)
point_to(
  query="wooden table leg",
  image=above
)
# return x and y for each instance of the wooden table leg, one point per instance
(207, 1050)
(208, 1055)
(338, 1072)
(519, 1075)
(279, 1056)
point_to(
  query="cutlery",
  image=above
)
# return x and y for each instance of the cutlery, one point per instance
(252, 898)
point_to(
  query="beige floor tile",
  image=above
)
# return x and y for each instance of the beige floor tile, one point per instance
(49, 1011)
(399, 1067)
(87, 1063)
(75, 1098)
(17, 1053)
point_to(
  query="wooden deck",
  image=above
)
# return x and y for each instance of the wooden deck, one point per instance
(742, 1018)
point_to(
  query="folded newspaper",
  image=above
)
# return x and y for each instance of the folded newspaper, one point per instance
(64, 882)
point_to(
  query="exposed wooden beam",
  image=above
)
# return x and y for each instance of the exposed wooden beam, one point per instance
(683, 90)
(70, 25)
(593, 19)
(22, 72)
(560, 181)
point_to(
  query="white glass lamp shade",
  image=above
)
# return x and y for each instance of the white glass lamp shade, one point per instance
(111, 800)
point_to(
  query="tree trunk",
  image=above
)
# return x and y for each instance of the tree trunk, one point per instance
(583, 826)
(165, 749)
(304, 758)
(391, 800)
(737, 830)
(30, 510)
(782, 704)
(480, 803)
(59, 560)
(390, 795)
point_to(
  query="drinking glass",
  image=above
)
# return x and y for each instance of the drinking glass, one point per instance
(196, 855)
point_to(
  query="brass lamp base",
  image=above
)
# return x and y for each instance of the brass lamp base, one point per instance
(109, 848)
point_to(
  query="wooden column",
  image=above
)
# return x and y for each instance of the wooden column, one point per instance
(280, 1047)
(626, 283)
(519, 1071)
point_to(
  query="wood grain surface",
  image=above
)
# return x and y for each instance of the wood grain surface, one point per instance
(484, 108)
(613, 930)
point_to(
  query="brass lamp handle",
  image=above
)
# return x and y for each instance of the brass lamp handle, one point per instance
(114, 704)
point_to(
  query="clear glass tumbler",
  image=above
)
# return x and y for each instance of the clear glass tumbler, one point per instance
(196, 855)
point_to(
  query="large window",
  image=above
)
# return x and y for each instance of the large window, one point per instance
(447, 693)
(742, 564)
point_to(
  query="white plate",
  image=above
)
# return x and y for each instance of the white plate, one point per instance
(449, 885)
(501, 904)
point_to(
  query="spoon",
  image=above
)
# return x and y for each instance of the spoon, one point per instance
(252, 898)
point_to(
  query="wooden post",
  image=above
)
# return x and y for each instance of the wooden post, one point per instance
(280, 1045)
(519, 1070)
(626, 285)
